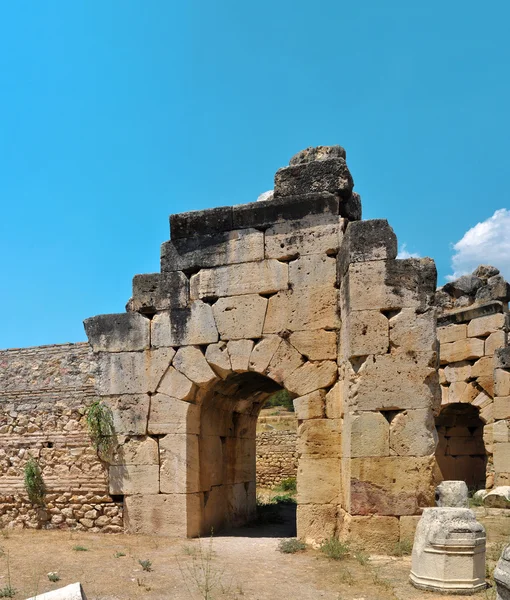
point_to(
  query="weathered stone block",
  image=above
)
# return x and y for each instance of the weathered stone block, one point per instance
(240, 317)
(494, 341)
(179, 471)
(313, 153)
(327, 175)
(413, 433)
(177, 385)
(264, 277)
(320, 438)
(174, 515)
(460, 371)
(483, 367)
(318, 481)
(502, 407)
(240, 352)
(501, 457)
(316, 522)
(134, 479)
(219, 359)
(158, 362)
(366, 332)
(391, 485)
(122, 373)
(315, 345)
(502, 358)
(411, 330)
(191, 362)
(211, 220)
(468, 349)
(463, 392)
(311, 376)
(408, 528)
(118, 333)
(452, 333)
(380, 535)
(310, 406)
(369, 434)
(501, 382)
(285, 361)
(130, 413)
(335, 401)
(212, 250)
(367, 241)
(137, 451)
(159, 291)
(263, 352)
(316, 234)
(485, 325)
(211, 457)
(169, 415)
(184, 326)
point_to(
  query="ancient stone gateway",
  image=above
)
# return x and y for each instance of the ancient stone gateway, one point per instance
(294, 292)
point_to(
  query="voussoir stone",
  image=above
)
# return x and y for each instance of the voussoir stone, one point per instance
(176, 385)
(219, 359)
(190, 361)
(312, 376)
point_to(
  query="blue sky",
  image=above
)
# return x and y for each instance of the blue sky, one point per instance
(115, 114)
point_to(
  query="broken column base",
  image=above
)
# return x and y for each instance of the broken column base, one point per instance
(449, 552)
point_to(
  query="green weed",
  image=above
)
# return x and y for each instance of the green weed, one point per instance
(291, 546)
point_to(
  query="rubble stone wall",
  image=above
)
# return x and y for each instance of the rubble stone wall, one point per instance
(44, 393)
(276, 457)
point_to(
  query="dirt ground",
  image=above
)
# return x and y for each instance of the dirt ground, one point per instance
(244, 565)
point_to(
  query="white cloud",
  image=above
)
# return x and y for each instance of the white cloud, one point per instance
(403, 253)
(487, 243)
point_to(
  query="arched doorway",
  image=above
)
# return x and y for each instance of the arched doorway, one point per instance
(460, 452)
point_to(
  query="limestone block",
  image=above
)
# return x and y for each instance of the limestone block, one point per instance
(411, 330)
(335, 401)
(501, 432)
(184, 326)
(502, 407)
(369, 433)
(169, 415)
(327, 175)
(122, 373)
(453, 494)
(264, 277)
(460, 371)
(315, 345)
(499, 497)
(310, 406)
(319, 153)
(487, 384)
(314, 234)
(240, 317)
(367, 332)
(285, 361)
(467, 349)
(137, 451)
(494, 341)
(449, 552)
(367, 241)
(212, 250)
(463, 392)
(240, 351)
(378, 534)
(244, 465)
(219, 359)
(451, 333)
(502, 358)
(130, 413)
(391, 485)
(174, 515)
(134, 479)
(484, 367)
(314, 307)
(482, 400)
(159, 291)
(501, 575)
(395, 382)
(408, 526)
(177, 385)
(263, 352)
(316, 523)
(180, 465)
(312, 270)
(158, 362)
(501, 382)
(212, 460)
(320, 438)
(191, 362)
(210, 220)
(311, 376)
(487, 414)
(125, 332)
(318, 481)
(391, 284)
(501, 457)
(483, 326)
(413, 433)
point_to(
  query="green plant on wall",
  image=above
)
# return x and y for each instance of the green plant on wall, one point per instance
(34, 483)
(100, 425)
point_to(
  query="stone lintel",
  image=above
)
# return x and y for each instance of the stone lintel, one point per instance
(210, 220)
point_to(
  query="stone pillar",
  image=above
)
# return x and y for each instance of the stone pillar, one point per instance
(501, 425)
(388, 364)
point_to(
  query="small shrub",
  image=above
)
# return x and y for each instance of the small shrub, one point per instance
(288, 485)
(403, 548)
(334, 549)
(53, 576)
(7, 592)
(119, 554)
(34, 483)
(100, 425)
(361, 556)
(284, 499)
(145, 564)
(291, 546)
(80, 549)
(280, 398)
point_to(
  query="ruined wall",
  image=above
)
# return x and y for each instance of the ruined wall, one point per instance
(44, 393)
(276, 457)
